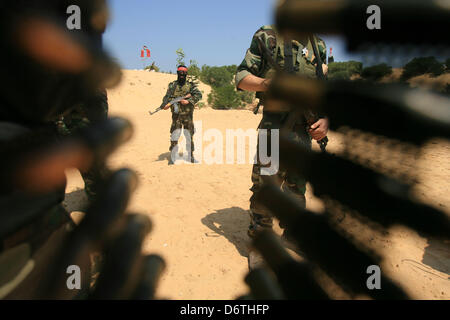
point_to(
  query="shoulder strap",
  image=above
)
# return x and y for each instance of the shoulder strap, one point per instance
(288, 57)
(279, 50)
(319, 69)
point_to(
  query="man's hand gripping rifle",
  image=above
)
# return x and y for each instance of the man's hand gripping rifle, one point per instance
(165, 105)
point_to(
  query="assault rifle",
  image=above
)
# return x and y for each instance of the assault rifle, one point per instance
(173, 103)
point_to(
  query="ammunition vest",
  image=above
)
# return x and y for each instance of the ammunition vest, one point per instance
(180, 91)
(303, 62)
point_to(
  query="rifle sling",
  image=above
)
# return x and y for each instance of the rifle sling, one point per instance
(294, 115)
(319, 69)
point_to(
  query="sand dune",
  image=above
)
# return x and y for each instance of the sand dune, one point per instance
(199, 210)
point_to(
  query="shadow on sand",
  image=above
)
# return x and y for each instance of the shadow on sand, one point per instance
(437, 255)
(164, 156)
(232, 223)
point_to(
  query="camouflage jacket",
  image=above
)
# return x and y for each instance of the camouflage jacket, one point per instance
(174, 91)
(302, 52)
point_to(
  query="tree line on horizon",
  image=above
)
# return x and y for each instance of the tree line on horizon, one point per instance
(224, 95)
(415, 67)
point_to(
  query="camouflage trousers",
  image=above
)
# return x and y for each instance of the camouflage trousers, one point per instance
(179, 122)
(290, 183)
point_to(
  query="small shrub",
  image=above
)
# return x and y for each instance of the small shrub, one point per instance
(344, 70)
(224, 98)
(180, 56)
(152, 67)
(216, 76)
(339, 75)
(422, 65)
(194, 70)
(201, 105)
(246, 96)
(376, 72)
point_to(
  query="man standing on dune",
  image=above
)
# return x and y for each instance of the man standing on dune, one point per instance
(183, 113)
(253, 74)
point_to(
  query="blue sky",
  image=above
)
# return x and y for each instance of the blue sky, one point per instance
(212, 32)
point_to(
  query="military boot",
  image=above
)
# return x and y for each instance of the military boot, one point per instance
(193, 160)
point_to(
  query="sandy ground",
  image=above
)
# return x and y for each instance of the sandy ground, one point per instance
(199, 210)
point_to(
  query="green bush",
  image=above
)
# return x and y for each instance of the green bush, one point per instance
(216, 76)
(339, 75)
(376, 72)
(224, 98)
(246, 96)
(344, 70)
(152, 67)
(194, 70)
(447, 65)
(224, 94)
(422, 65)
(201, 105)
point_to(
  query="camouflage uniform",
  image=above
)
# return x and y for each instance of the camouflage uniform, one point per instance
(254, 63)
(184, 117)
(82, 116)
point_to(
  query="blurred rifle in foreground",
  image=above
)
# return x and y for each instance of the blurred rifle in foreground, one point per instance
(44, 254)
(391, 115)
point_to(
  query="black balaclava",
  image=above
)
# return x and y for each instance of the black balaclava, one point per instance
(182, 74)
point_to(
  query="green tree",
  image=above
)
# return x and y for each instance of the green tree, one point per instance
(180, 57)
(375, 73)
(422, 65)
(224, 94)
(344, 70)
(224, 98)
(246, 96)
(216, 76)
(194, 70)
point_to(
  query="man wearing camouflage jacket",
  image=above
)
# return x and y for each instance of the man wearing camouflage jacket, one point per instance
(254, 74)
(183, 114)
